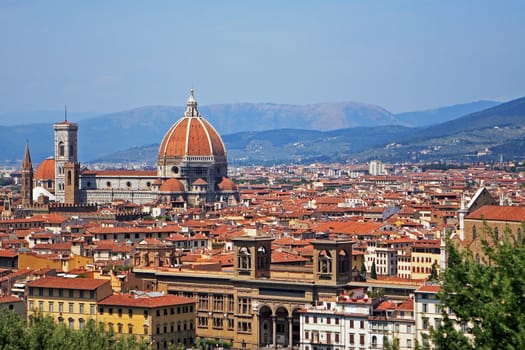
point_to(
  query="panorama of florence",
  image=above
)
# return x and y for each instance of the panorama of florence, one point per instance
(306, 226)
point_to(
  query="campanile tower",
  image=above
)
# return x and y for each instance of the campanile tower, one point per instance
(65, 152)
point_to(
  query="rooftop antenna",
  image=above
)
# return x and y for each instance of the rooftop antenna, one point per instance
(65, 113)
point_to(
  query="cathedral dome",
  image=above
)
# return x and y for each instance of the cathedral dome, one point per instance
(46, 170)
(227, 185)
(172, 185)
(192, 135)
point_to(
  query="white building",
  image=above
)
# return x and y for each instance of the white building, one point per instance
(427, 309)
(376, 168)
(338, 326)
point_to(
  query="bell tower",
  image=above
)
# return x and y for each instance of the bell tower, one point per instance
(65, 152)
(71, 183)
(252, 255)
(332, 261)
(27, 180)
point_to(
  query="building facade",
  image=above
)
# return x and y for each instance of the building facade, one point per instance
(161, 320)
(72, 301)
(192, 170)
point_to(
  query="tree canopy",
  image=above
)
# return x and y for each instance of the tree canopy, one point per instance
(41, 333)
(486, 298)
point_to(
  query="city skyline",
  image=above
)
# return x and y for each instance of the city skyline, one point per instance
(401, 55)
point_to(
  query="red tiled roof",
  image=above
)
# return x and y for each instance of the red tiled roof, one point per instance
(68, 283)
(172, 185)
(46, 170)
(406, 305)
(131, 300)
(431, 288)
(8, 253)
(10, 299)
(499, 213)
(191, 137)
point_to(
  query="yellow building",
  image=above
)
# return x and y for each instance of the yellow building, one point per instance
(160, 319)
(35, 262)
(67, 300)
(425, 253)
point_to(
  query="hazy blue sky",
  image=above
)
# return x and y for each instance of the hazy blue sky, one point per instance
(109, 56)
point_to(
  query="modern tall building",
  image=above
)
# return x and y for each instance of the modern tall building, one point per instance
(376, 168)
(191, 170)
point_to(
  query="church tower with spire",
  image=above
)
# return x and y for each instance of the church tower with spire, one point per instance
(27, 180)
(65, 152)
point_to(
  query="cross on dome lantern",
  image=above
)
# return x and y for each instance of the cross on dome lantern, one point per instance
(191, 110)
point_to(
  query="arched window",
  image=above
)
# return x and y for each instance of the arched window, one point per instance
(69, 177)
(496, 233)
(71, 323)
(474, 232)
(374, 341)
(520, 235)
(343, 262)
(81, 323)
(325, 262)
(262, 258)
(244, 258)
(61, 148)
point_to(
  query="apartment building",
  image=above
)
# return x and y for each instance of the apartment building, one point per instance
(162, 320)
(67, 300)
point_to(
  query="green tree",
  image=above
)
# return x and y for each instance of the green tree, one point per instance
(362, 271)
(390, 345)
(487, 298)
(40, 333)
(373, 272)
(12, 331)
(433, 272)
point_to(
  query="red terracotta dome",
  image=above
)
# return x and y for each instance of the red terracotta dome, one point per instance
(192, 136)
(199, 182)
(46, 170)
(172, 185)
(227, 185)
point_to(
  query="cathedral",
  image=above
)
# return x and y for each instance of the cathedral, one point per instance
(191, 171)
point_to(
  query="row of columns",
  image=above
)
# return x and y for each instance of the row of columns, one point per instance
(274, 330)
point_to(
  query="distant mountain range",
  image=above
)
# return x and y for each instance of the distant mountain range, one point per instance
(480, 136)
(440, 115)
(254, 133)
(40, 117)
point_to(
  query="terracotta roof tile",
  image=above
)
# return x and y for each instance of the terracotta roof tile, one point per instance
(131, 300)
(68, 283)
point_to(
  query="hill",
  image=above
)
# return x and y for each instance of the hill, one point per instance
(480, 136)
(108, 133)
(440, 115)
(119, 137)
